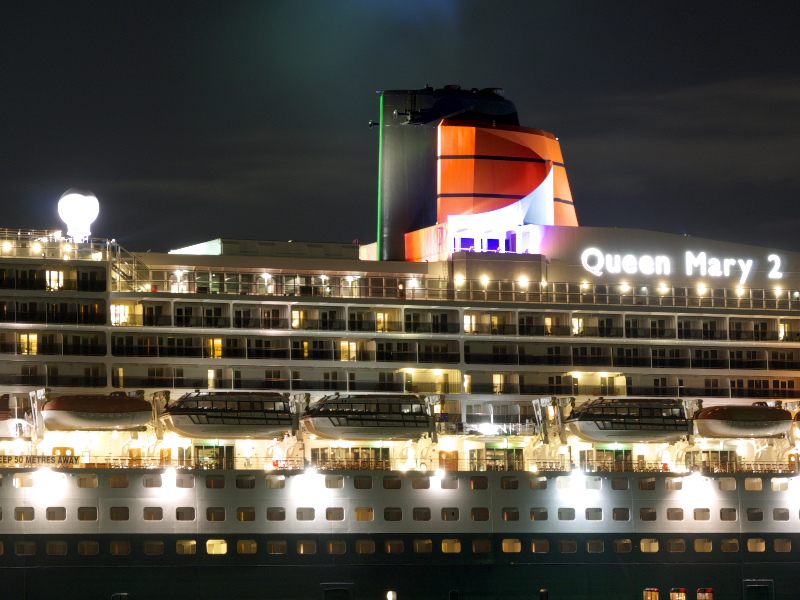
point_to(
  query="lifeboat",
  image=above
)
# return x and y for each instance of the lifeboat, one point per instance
(96, 412)
(733, 421)
(231, 415)
(369, 417)
(630, 420)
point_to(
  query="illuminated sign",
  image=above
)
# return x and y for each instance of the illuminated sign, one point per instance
(597, 263)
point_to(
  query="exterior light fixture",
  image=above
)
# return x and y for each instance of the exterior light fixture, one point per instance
(78, 209)
(624, 287)
(701, 289)
(663, 288)
(544, 283)
(778, 291)
(585, 285)
(485, 280)
(739, 290)
(523, 281)
(459, 279)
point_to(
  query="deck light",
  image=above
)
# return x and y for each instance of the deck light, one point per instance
(778, 291)
(624, 287)
(739, 290)
(585, 285)
(6, 245)
(459, 279)
(523, 281)
(78, 209)
(485, 280)
(544, 283)
(663, 288)
(701, 289)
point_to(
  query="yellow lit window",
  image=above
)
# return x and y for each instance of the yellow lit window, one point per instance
(299, 318)
(120, 314)
(28, 343)
(217, 547)
(382, 321)
(470, 321)
(214, 347)
(348, 350)
(55, 280)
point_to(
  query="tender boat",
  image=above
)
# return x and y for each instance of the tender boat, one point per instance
(369, 417)
(212, 414)
(630, 420)
(89, 412)
(732, 421)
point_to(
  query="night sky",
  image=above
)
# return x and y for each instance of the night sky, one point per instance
(196, 120)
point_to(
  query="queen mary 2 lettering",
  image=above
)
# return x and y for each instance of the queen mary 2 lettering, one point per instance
(598, 263)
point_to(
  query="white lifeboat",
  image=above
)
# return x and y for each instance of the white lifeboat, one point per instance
(732, 421)
(96, 412)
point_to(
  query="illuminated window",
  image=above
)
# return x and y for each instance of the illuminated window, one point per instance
(510, 513)
(306, 547)
(451, 546)
(364, 513)
(334, 513)
(623, 545)
(539, 483)
(28, 343)
(730, 545)
(245, 513)
(276, 513)
(727, 514)
(55, 280)
(780, 514)
(674, 483)
(480, 514)
(470, 323)
(727, 484)
(594, 514)
(752, 484)
(702, 514)
(674, 514)
(23, 513)
(56, 513)
(153, 547)
(186, 547)
(393, 546)
(702, 545)
(120, 547)
(276, 482)
(120, 314)
(421, 513)
(756, 545)
(780, 484)
(184, 513)
(23, 480)
(348, 350)
(538, 514)
(512, 546)
(215, 513)
(87, 513)
(595, 546)
(336, 547)
(651, 545)
(782, 545)
(87, 481)
(216, 547)
(305, 514)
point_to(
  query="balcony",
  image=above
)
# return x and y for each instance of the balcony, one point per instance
(709, 363)
(650, 333)
(591, 361)
(787, 365)
(670, 363)
(545, 359)
(415, 327)
(490, 359)
(68, 285)
(632, 361)
(760, 336)
(320, 325)
(41, 316)
(373, 326)
(545, 330)
(740, 363)
(702, 334)
(602, 331)
(491, 329)
(216, 322)
(260, 323)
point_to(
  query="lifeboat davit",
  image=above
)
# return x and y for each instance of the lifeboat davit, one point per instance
(116, 411)
(734, 421)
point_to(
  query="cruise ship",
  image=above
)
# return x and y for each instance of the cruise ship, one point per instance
(490, 402)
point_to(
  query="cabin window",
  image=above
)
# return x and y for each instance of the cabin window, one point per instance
(674, 484)
(59, 548)
(510, 513)
(782, 545)
(567, 546)
(756, 545)
(647, 484)
(336, 547)
(119, 481)
(306, 546)
(480, 513)
(538, 514)
(451, 546)
(421, 513)
(364, 513)
(647, 514)
(622, 514)
(593, 483)
(184, 481)
(186, 547)
(702, 545)
(87, 480)
(215, 513)
(702, 514)
(87, 513)
(88, 548)
(623, 545)
(153, 547)
(479, 482)
(153, 513)
(215, 482)
(151, 481)
(594, 514)
(248, 547)
(391, 482)
(566, 514)
(184, 513)
(245, 482)
(727, 514)
(619, 483)
(119, 513)
(450, 514)
(277, 482)
(563, 482)
(334, 513)
(120, 547)
(595, 546)
(540, 546)
(780, 484)
(755, 514)
(674, 514)
(481, 546)
(333, 482)
(449, 482)
(512, 546)
(365, 547)
(362, 482)
(727, 484)
(305, 513)
(674, 545)
(216, 547)
(421, 483)
(393, 546)
(650, 545)
(245, 513)
(276, 513)
(730, 545)
(276, 547)
(509, 483)
(25, 548)
(752, 484)
(23, 480)
(539, 483)
(780, 514)
(56, 513)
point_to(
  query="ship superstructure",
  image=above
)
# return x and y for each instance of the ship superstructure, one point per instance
(518, 400)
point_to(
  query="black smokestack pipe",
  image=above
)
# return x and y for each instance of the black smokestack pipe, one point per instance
(407, 163)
